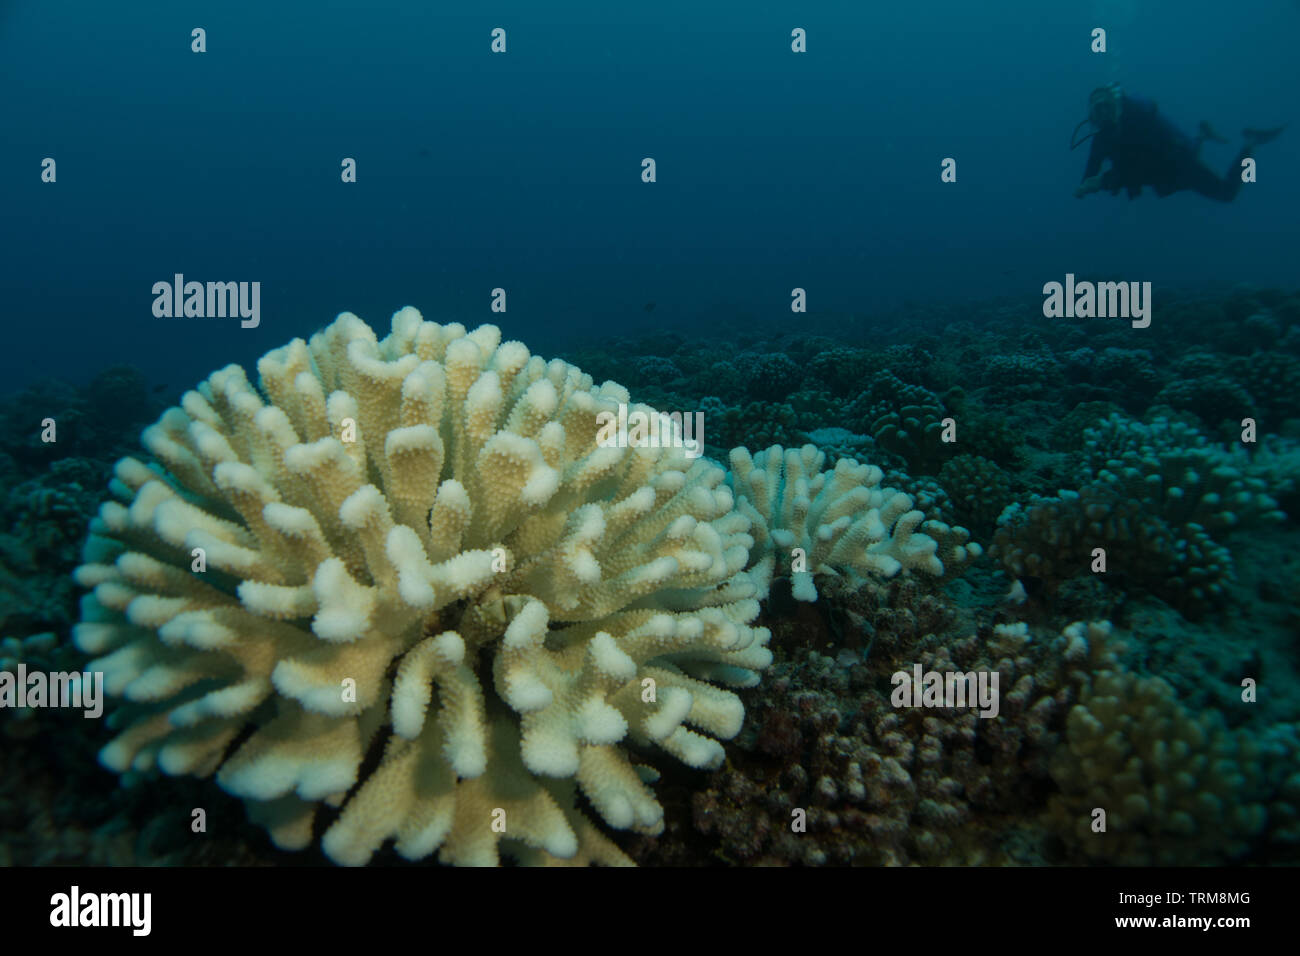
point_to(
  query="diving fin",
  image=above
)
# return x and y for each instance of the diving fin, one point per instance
(1208, 132)
(1254, 137)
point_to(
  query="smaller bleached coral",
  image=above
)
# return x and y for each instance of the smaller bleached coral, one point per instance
(839, 520)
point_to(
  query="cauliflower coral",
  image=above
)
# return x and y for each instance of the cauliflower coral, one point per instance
(807, 521)
(401, 579)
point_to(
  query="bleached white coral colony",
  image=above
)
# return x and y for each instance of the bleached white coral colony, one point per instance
(807, 521)
(402, 579)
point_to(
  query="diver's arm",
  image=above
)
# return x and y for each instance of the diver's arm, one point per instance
(1090, 185)
(1096, 153)
(1092, 177)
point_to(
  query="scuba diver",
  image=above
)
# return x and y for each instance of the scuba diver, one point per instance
(1145, 149)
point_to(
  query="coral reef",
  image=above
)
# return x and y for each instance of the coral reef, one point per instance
(759, 423)
(1159, 495)
(978, 491)
(906, 421)
(768, 376)
(879, 785)
(52, 488)
(1020, 376)
(1177, 788)
(399, 596)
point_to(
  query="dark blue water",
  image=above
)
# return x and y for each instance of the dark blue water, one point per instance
(523, 170)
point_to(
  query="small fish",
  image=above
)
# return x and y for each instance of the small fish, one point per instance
(649, 306)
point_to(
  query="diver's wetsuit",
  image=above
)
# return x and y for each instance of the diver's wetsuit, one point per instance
(1145, 149)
